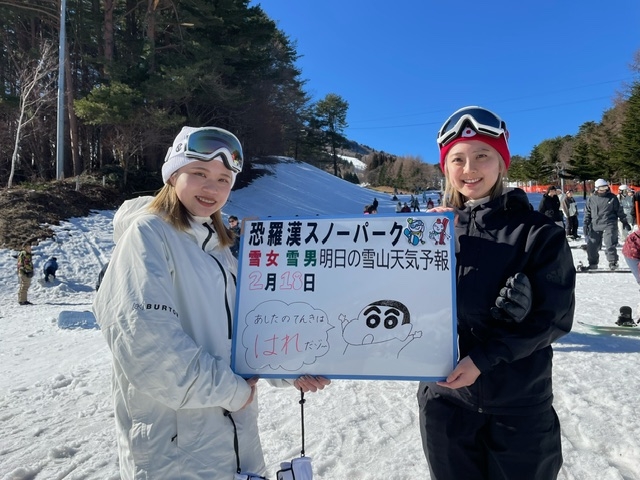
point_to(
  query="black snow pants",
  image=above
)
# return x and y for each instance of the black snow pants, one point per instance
(462, 444)
(610, 238)
(571, 226)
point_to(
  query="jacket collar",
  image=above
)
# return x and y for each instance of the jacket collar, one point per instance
(511, 199)
(202, 231)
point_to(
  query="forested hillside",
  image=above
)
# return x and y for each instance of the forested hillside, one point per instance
(135, 71)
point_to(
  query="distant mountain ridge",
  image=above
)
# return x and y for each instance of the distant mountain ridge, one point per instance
(357, 148)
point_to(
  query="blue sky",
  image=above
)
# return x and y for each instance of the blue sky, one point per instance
(403, 66)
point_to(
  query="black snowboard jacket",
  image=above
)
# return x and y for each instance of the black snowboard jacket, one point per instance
(550, 206)
(494, 241)
(602, 211)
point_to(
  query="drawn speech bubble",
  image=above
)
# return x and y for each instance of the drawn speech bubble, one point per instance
(285, 336)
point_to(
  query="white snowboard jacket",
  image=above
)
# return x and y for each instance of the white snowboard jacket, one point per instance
(165, 307)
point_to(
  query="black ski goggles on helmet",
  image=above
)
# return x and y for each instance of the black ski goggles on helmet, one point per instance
(207, 143)
(479, 119)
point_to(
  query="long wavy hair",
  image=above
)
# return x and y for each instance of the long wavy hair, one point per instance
(453, 198)
(167, 204)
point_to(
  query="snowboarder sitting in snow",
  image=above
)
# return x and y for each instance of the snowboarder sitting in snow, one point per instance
(625, 319)
(50, 268)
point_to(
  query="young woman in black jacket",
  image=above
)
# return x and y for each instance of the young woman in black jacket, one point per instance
(550, 205)
(492, 418)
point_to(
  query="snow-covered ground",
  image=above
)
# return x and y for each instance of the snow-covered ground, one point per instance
(55, 407)
(357, 164)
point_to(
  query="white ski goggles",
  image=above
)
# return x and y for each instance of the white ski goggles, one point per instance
(479, 119)
(207, 143)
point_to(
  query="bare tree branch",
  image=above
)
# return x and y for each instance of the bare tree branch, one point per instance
(48, 8)
(36, 81)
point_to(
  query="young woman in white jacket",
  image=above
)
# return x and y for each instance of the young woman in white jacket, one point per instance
(165, 307)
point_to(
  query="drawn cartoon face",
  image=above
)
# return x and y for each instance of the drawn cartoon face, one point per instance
(438, 226)
(380, 321)
(415, 225)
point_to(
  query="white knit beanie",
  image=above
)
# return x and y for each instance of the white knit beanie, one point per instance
(176, 158)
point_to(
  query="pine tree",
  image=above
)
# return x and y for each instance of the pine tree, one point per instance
(537, 168)
(589, 160)
(627, 144)
(517, 169)
(332, 115)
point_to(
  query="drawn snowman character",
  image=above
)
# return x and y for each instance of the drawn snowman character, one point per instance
(380, 321)
(438, 231)
(414, 231)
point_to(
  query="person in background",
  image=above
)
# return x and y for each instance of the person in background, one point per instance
(430, 204)
(493, 417)
(405, 208)
(374, 205)
(50, 268)
(398, 207)
(165, 308)
(632, 214)
(550, 205)
(625, 196)
(570, 211)
(415, 203)
(101, 273)
(235, 228)
(600, 224)
(631, 255)
(25, 273)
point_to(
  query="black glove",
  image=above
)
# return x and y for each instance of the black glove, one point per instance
(514, 302)
(626, 226)
(586, 228)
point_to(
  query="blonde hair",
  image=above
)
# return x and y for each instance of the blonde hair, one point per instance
(453, 198)
(167, 204)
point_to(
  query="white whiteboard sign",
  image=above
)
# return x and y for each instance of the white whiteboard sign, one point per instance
(366, 297)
